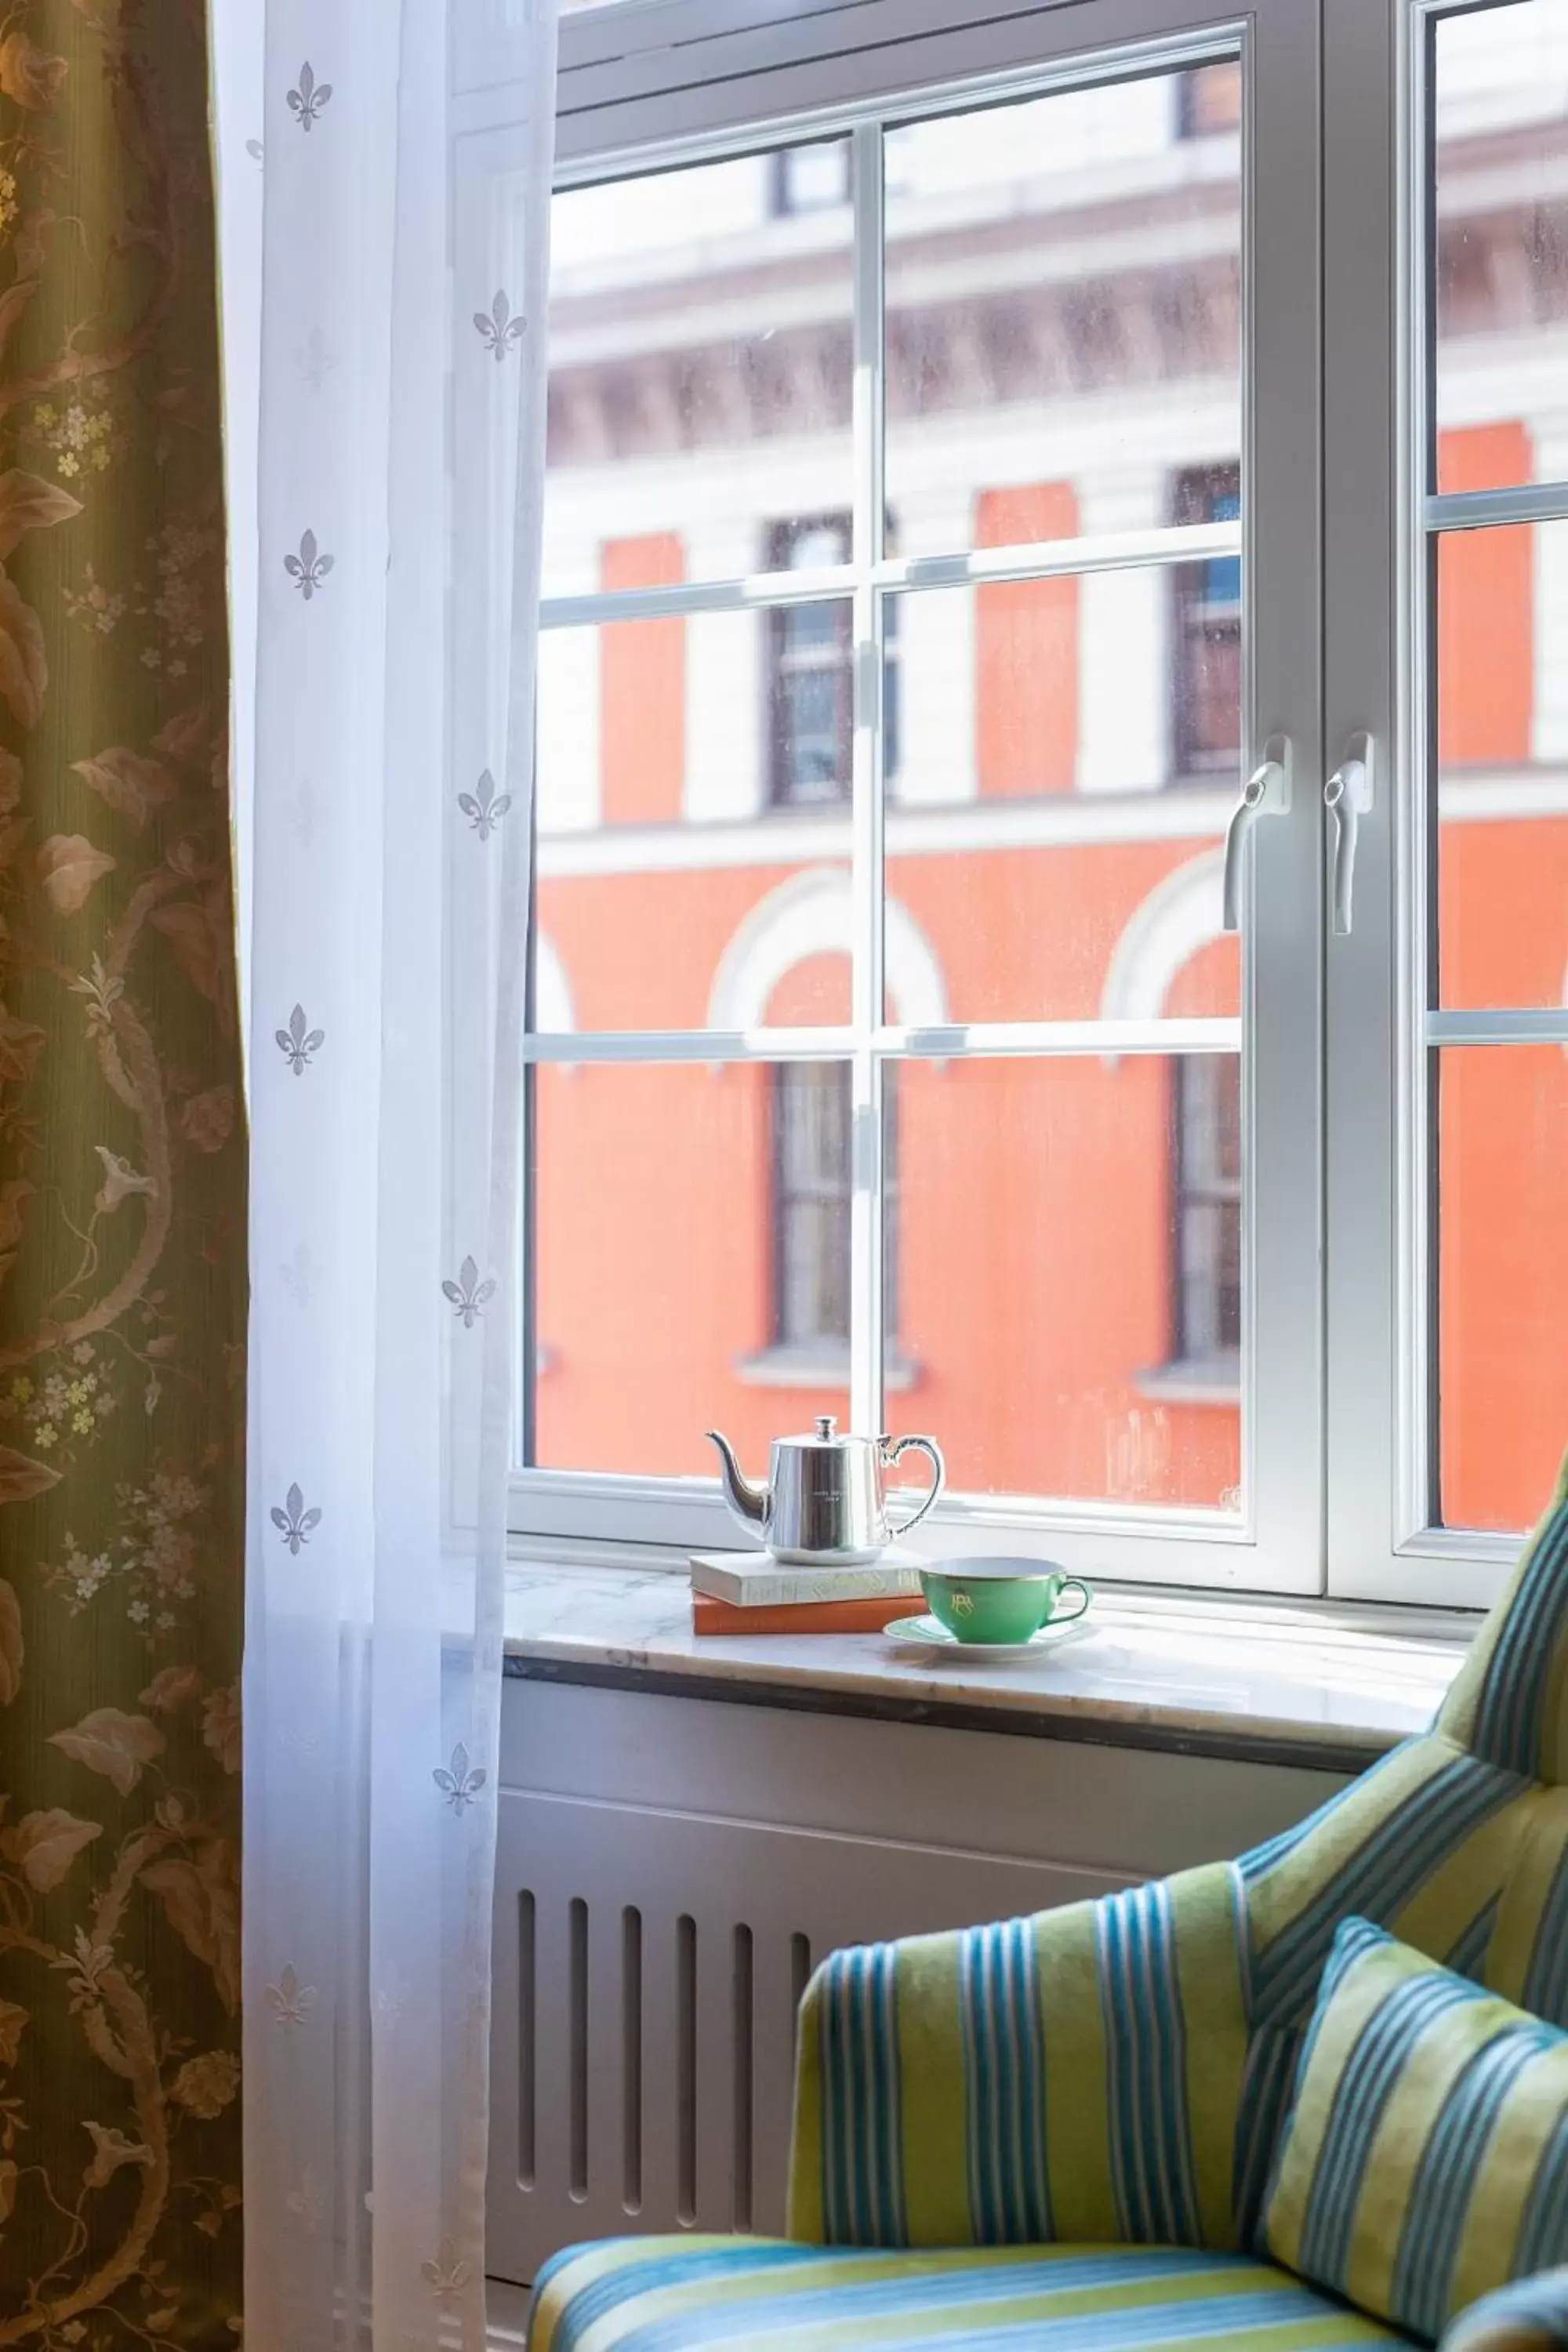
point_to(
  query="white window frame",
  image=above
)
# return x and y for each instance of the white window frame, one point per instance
(654, 82)
(1385, 1541)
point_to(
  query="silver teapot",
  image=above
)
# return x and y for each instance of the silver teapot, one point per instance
(825, 1501)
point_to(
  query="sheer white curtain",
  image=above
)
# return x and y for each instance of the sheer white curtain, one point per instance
(386, 246)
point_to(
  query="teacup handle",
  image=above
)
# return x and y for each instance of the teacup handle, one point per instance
(893, 1448)
(1074, 1584)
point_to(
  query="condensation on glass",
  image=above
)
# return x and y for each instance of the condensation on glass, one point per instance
(1495, 1109)
(1059, 1226)
(694, 821)
(1009, 299)
(701, 365)
(695, 1266)
(1068, 753)
(1502, 1279)
(1499, 81)
(1090, 1350)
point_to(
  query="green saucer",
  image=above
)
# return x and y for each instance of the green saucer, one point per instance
(927, 1633)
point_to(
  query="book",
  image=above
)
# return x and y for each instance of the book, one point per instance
(867, 1615)
(757, 1581)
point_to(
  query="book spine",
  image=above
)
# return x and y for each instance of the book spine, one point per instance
(787, 1588)
(864, 1616)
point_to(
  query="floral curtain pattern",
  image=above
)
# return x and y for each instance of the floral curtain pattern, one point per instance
(386, 557)
(122, 1201)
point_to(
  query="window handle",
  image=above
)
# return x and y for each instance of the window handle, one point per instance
(1267, 793)
(1347, 796)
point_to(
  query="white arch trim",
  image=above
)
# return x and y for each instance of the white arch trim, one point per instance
(1180, 915)
(813, 914)
(554, 1012)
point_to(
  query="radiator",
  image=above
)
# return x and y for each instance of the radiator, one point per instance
(648, 1965)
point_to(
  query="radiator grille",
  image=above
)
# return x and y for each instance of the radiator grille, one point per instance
(648, 1967)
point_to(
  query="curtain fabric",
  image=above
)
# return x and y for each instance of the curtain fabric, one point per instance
(386, 254)
(121, 1202)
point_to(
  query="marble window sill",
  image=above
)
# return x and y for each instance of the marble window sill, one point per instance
(1328, 1685)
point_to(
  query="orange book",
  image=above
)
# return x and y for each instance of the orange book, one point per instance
(709, 1616)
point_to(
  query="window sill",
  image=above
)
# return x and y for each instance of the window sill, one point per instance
(1325, 1686)
(1193, 1380)
(825, 1367)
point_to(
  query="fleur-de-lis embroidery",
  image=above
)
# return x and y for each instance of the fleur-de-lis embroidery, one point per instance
(309, 568)
(298, 1275)
(293, 1522)
(306, 102)
(301, 811)
(459, 1786)
(448, 2275)
(298, 1042)
(497, 328)
(315, 359)
(290, 2001)
(468, 1294)
(309, 2201)
(484, 807)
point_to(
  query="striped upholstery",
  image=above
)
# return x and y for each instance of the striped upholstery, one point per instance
(1425, 2160)
(1117, 2074)
(650, 2294)
(1119, 2071)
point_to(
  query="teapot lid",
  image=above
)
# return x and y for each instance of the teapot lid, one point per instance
(826, 1432)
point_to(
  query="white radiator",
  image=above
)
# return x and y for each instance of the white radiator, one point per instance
(667, 1872)
(649, 1966)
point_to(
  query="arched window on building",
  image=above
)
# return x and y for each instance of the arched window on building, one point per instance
(803, 920)
(813, 1163)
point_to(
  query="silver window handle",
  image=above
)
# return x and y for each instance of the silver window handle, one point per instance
(1267, 793)
(1347, 796)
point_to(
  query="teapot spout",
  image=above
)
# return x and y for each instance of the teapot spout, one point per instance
(747, 1503)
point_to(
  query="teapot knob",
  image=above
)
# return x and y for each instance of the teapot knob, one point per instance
(827, 1425)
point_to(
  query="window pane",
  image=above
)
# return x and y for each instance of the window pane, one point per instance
(1063, 311)
(1503, 1279)
(693, 866)
(1054, 847)
(700, 368)
(1047, 1270)
(692, 1260)
(1500, 92)
(1501, 650)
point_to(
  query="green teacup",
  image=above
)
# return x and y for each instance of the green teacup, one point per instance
(999, 1600)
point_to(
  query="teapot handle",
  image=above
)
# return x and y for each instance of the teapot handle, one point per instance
(891, 1448)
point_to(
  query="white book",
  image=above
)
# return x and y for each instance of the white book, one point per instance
(758, 1581)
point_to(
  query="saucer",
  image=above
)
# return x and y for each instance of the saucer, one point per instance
(930, 1633)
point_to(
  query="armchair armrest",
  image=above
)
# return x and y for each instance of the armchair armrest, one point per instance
(1529, 2315)
(1073, 2077)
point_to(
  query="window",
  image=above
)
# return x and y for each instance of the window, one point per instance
(1206, 1288)
(1223, 1258)
(813, 652)
(806, 179)
(1207, 633)
(810, 695)
(813, 1163)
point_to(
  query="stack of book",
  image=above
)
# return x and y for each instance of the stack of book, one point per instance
(752, 1593)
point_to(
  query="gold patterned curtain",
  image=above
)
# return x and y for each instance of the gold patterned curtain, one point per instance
(123, 1221)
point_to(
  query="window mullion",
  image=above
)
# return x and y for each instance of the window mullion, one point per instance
(866, 1274)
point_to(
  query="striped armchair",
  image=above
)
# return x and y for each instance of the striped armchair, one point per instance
(1058, 2131)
